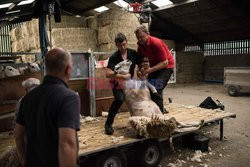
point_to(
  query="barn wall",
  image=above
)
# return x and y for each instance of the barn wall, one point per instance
(214, 65)
(189, 67)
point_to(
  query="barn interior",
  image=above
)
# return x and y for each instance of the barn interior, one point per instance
(206, 38)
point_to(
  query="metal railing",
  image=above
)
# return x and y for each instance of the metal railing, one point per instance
(238, 47)
(5, 39)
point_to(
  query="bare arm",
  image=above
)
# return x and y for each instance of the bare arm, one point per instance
(20, 139)
(155, 68)
(67, 147)
(112, 74)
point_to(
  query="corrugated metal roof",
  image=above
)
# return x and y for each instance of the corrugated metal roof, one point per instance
(188, 21)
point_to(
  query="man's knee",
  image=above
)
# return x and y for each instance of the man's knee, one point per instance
(119, 100)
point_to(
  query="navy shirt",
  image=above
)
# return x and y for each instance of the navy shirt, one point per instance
(50, 106)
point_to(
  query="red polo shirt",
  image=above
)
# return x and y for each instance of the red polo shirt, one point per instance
(156, 51)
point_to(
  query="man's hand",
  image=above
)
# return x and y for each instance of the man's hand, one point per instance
(126, 76)
(145, 71)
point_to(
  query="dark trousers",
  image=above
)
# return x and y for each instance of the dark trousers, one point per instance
(115, 106)
(159, 79)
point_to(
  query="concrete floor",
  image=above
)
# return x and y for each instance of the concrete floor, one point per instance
(234, 151)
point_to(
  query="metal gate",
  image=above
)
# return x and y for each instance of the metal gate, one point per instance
(5, 40)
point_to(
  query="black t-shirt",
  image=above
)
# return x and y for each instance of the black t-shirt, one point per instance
(131, 55)
(43, 111)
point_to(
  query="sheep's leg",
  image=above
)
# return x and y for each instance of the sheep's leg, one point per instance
(151, 87)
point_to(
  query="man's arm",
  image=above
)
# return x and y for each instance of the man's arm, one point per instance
(20, 139)
(155, 68)
(112, 74)
(67, 147)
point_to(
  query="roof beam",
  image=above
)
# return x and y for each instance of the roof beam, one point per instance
(243, 6)
(9, 1)
(80, 12)
(177, 31)
(175, 5)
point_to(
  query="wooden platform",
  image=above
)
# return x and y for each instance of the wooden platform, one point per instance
(92, 138)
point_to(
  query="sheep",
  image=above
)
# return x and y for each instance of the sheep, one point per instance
(11, 71)
(31, 68)
(146, 116)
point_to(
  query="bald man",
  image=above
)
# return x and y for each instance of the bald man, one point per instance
(48, 119)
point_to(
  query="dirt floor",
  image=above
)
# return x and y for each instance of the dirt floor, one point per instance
(234, 151)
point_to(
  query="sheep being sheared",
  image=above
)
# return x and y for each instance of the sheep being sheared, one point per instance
(146, 116)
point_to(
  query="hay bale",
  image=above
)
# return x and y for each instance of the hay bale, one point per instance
(33, 27)
(10, 158)
(18, 46)
(110, 47)
(79, 39)
(33, 43)
(92, 22)
(19, 33)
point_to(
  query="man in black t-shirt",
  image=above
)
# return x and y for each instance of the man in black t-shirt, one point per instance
(121, 54)
(48, 119)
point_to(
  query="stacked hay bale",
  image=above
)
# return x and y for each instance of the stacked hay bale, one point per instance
(74, 39)
(77, 34)
(70, 34)
(109, 23)
(25, 39)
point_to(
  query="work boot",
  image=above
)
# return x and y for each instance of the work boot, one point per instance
(109, 129)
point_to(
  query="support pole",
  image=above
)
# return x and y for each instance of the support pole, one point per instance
(43, 37)
(221, 130)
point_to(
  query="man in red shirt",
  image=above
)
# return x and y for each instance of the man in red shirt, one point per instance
(161, 62)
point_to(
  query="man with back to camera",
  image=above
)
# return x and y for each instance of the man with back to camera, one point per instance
(49, 117)
(160, 59)
(121, 54)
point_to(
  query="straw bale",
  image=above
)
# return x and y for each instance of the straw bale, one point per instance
(19, 33)
(79, 39)
(107, 47)
(33, 43)
(17, 46)
(67, 22)
(103, 35)
(92, 22)
(33, 27)
(26, 47)
(25, 30)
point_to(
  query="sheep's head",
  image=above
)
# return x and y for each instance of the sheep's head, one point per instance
(33, 67)
(123, 67)
(11, 71)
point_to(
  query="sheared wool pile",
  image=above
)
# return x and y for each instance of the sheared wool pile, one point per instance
(10, 158)
(153, 127)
